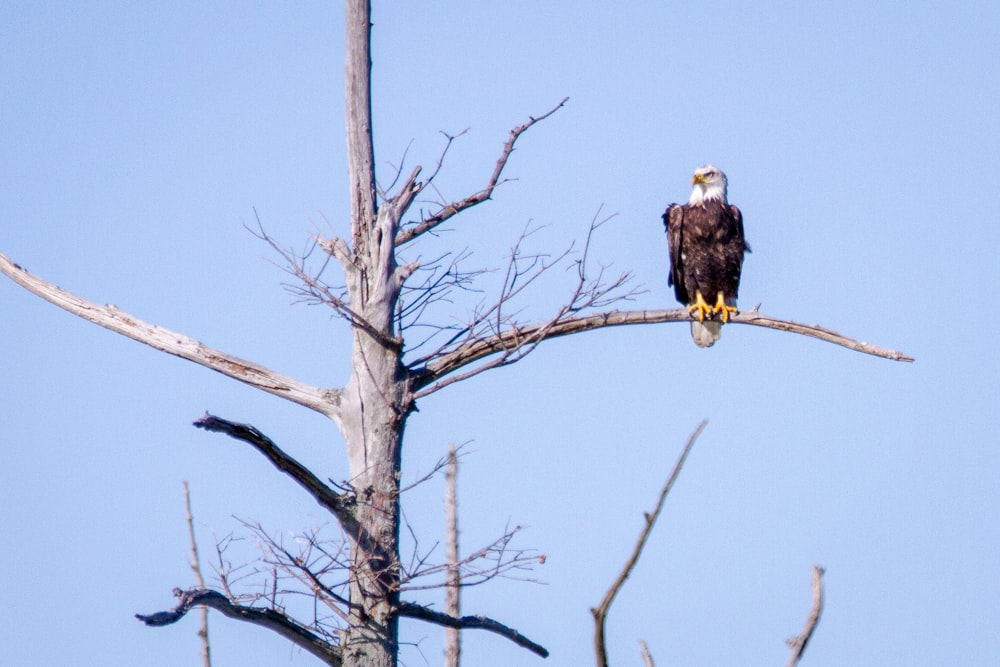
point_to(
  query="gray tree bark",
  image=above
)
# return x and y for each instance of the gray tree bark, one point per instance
(375, 402)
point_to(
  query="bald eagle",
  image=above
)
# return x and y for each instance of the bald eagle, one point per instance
(706, 243)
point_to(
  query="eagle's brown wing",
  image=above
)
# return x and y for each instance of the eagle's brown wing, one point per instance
(673, 219)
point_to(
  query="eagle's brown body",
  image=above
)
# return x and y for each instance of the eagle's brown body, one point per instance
(706, 250)
(706, 256)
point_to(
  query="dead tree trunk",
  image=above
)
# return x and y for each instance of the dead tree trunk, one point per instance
(375, 400)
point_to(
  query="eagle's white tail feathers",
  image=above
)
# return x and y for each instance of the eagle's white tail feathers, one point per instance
(706, 333)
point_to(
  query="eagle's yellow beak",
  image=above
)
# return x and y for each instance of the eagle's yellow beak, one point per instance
(697, 178)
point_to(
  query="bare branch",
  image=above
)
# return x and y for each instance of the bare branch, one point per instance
(523, 269)
(309, 566)
(471, 622)
(450, 210)
(515, 337)
(647, 657)
(340, 505)
(267, 618)
(325, 401)
(206, 649)
(313, 289)
(496, 559)
(449, 139)
(601, 611)
(798, 644)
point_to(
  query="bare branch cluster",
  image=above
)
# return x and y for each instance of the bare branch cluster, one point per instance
(496, 321)
(312, 572)
(497, 559)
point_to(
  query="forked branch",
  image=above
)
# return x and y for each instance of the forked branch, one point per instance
(267, 618)
(601, 611)
(452, 209)
(325, 401)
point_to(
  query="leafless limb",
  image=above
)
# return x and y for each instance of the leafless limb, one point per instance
(438, 284)
(341, 505)
(412, 610)
(267, 618)
(601, 611)
(647, 657)
(311, 288)
(798, 644)
(431, 376)
(311, 566)
(448, 211)
(496, 559)
(449, 140)
(384, 192)
(441, 464)
(325, 401)
(206, 649)
(496, 322)
(453, 575)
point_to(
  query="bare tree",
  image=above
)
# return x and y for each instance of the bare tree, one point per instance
(386, 301)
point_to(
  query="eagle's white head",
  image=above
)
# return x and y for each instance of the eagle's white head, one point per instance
(709, 184)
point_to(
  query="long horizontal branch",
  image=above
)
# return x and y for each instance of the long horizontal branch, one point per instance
(471, 622)
(267, 618)
(325, 401)
(341, 506)
(514, 337)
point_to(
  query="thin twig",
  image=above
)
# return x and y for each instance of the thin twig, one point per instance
(798, 644)
(206, 649)
(601, 611)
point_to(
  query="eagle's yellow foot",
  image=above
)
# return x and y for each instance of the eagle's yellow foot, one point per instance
(701, 307)
(721, 307)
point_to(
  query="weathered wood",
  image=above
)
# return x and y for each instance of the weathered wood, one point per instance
(325, 401)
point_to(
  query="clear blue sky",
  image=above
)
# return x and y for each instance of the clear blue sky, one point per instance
(861, 141)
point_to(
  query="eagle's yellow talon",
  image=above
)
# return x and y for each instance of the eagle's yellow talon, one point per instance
(701, 307)
(721, 307)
